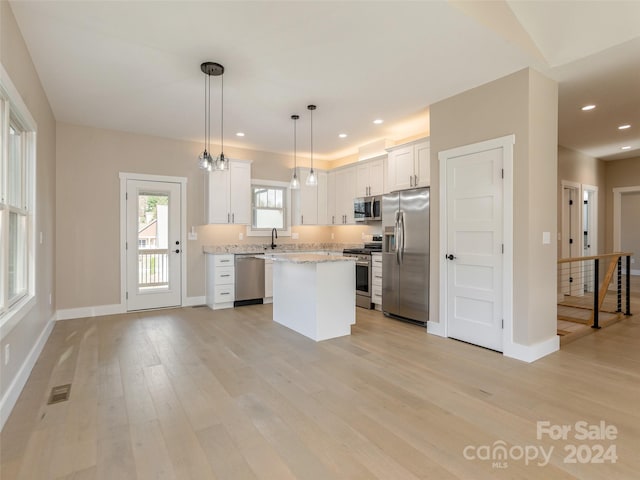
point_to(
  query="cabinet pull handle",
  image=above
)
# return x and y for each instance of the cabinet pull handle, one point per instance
(415, 180)
(224, 293)
(233, 218)
(228, 218)
(302, 219)
(225, 275)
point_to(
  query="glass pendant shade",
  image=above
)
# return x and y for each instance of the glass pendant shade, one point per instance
(312, 179)
(222, 162)
(205, 161)
(295, 183)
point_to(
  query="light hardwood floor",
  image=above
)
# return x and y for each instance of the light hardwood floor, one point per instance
(191, 393)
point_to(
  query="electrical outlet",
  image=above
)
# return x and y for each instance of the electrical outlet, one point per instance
(192, 236)
(40, 238)
(50, 299)
(7, 353)
(295, 236)
(240, 236)
(333, 236)
(633, 260)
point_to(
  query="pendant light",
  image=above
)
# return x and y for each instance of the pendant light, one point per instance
(222, 162)
(205, 162)
(312, 179)
(295, 183)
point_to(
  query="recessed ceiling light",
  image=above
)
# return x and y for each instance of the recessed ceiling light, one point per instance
(588, 107)
(624, 127)
(240, 134)
(378, 121)
(626, 147)
(342, 135)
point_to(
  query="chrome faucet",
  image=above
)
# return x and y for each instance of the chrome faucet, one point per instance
(273, 232)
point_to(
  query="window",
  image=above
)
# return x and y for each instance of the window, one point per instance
(270, 203)
(17, 179)
(268, 207)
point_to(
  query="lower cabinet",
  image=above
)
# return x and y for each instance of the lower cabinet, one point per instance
(220, 281)
(376, 280)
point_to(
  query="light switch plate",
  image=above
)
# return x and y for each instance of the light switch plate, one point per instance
(295, 235)
(546, 238)
(192, 236)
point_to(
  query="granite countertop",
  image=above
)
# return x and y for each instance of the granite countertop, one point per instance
(282, 248)
(305, 258)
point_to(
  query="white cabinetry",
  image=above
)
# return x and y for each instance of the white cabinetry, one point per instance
(369, 177)
(220, 281)
(268, 280)
(229, 194)
(408, 166)
(376, 280)
(345, 192)
(310, 203)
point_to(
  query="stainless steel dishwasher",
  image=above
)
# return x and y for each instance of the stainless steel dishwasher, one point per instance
(249, 280)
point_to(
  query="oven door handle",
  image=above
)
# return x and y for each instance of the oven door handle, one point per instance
(362, 264)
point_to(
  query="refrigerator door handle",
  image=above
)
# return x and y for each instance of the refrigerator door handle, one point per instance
(397, 236)
(402, 236)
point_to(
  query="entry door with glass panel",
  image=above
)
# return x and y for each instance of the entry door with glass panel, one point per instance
(154, 251)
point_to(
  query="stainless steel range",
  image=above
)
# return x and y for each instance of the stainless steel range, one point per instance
(363, 271)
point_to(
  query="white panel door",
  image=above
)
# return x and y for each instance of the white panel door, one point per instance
(474, 248)
(154, 252)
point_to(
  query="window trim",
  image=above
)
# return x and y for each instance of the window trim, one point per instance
(11, 315)
(283, 232)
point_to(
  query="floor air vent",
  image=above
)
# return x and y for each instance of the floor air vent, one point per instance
(59, 394)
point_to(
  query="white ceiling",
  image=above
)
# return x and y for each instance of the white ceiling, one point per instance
(135, 66)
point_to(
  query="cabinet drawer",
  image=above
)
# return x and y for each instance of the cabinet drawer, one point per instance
(377, 299)
(224, 293)
(223, 260)
(376, 261)
(223, 276)
(376, 281)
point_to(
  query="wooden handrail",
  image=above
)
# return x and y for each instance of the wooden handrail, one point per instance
(593, 257)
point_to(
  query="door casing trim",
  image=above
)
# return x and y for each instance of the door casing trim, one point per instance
(124, 177)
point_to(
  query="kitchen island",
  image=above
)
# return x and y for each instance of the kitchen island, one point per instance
(314, 294)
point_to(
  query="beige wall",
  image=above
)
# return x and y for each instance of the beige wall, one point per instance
(574, 166)
(524, 104)
(16, 60)
(630, 227)
(619, 173)
(88, 215)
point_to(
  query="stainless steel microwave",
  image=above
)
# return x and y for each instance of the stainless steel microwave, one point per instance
(367, 209)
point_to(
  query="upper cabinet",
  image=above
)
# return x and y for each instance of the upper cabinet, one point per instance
(408, 166)
(370, 177)
(229, 194)
(309, 204)
(345, 192)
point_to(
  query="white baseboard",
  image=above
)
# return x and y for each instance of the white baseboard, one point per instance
(193, 301)
(96, 311)
(531, 353)
(13, 392)
(436, 328)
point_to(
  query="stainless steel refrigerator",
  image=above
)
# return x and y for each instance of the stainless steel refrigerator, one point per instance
(405, 255)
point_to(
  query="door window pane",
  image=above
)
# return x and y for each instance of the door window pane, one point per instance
(153, 241)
